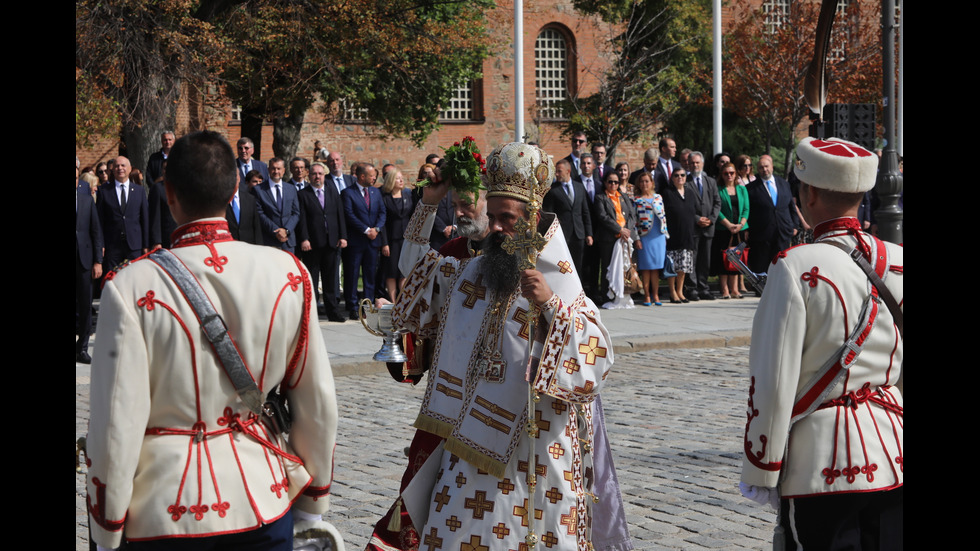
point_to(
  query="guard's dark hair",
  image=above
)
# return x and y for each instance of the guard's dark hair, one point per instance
(201, 170)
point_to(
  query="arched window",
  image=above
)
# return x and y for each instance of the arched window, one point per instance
(552, 65)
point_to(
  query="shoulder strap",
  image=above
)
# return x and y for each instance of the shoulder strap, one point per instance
(214, 329)
(875, 278)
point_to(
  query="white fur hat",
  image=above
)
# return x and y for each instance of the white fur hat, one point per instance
(835, 164)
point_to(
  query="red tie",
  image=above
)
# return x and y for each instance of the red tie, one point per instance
(367, 198)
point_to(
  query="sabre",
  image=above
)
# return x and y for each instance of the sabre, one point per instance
(734, 256)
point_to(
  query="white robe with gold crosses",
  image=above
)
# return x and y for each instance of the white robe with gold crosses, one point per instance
(479, 499)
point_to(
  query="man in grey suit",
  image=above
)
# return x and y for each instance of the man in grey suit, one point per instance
(278, 208)
(707, 205)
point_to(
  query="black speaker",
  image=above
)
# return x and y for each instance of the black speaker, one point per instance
(851, 121)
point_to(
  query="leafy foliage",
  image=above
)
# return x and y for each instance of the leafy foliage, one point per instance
(661, 62)
(765, 70)
(399, 59)
(135, 56)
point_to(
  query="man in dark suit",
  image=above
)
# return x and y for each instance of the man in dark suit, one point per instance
(364, 211)
(589, 275)
(154, 167)
(602, 166)
(298, 169)
(278, 208)
(339, 181)
(162, 222)
(124, 215)
(568, 199)
(88, 264)
(707, 205)
(242, 215)
(322, 234)
(246, 163)
(335, 173)
(574, 158)
(772, 216)
(650, 158)
(666, 165)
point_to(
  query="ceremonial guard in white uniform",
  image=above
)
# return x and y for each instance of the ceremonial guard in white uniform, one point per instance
(173, 450)
(473, 492)
(824, 429)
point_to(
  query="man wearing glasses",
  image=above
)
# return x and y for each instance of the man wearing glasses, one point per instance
(578, 147)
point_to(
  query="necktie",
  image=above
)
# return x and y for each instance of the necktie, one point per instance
(367, 198)
(122, 198)
(590, 188)
(568, 190)
(279, 197)
(235, 208)
(339, 182)
(772, 191)
(700, 189)
(670, 169)
(319, 196)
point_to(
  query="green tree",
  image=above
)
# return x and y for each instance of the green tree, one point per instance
(398, 59)
(134, 57)
(767, 59)
(661, 55)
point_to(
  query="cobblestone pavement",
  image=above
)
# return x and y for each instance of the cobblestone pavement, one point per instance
(675, 420)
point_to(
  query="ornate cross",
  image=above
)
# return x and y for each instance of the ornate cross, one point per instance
(442, 498)
(525, 244)
(501, 530)
(474, 291)
(592, 350)
(432, 541)
(479, 503)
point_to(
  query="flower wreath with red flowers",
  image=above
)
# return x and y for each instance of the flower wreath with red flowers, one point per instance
(464, 167)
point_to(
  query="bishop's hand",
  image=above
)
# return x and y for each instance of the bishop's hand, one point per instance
(433, 192)
(534, 287)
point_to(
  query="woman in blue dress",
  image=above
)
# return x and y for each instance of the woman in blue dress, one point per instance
(651, 225)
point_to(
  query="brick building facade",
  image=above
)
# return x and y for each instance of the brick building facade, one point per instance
(563, 51)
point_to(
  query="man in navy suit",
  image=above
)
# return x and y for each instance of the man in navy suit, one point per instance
(88, 264)
(568, 199)
(245, 162)
(278, 208)
(242, 215)
(772, 216)
(365, 213)
(322, 234)
(124, 213)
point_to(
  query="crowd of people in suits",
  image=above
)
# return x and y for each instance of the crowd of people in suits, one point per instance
(680, 212)
(677, 218)
(346, 227)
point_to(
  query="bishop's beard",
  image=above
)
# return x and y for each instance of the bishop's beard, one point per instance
(499, 268)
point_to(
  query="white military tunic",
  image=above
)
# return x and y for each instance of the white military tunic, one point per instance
(813, 300)
(173, 451)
